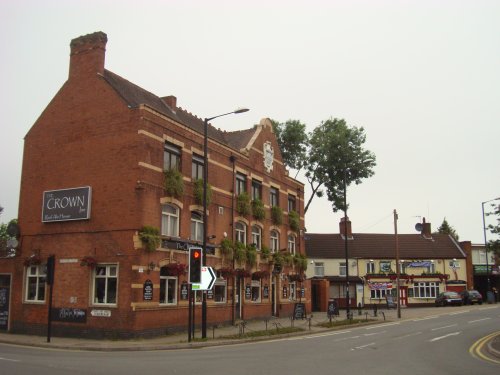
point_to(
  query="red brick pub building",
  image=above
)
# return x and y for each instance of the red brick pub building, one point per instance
(111, 187)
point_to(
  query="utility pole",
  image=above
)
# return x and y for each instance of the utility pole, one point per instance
(397, 263)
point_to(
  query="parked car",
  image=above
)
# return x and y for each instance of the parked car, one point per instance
(448, 298)
(470, 297)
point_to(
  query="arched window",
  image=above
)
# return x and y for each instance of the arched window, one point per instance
(241, 232)
(169, 220)
(275, 241)
(291, 244)
(257, 236)
(196, 226)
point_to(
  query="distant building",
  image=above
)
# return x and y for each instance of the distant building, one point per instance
(105, 165)
(429, 264)
(482, 269)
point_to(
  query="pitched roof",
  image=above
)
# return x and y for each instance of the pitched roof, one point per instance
(135, 96)
(378, 246)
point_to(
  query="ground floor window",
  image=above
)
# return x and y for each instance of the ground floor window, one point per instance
(293, 291)
(255, 290)
(105, 284)
(378, 293)
(35, 283)
(425, 290)
(220, 288)
(168, 290)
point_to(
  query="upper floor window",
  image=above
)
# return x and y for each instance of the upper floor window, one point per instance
(275, 241)
(241, 183)
(291, 203)
(319, 269)
(171, 157)
(105, 284)
(256, 190)
(35, 283)
(291, 244)
(197, 164)
(273, 197)
(257, 236)
(370, 267)
(241, 232)
(342, 269)
(196, 226)
(169, 220)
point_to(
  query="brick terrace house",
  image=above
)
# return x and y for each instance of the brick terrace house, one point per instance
(111, 170)
(429, 264)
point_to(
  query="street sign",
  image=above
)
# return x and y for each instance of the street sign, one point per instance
(207, 279)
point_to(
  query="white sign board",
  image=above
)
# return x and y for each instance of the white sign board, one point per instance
(207, 279)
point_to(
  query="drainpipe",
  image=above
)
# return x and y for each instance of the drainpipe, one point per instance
(232, 159)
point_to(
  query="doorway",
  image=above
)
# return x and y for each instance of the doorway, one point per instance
(4, 302)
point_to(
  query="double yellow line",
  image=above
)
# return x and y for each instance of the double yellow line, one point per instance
(476, 349)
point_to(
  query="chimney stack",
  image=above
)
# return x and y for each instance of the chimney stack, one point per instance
(171, 101)
(87, 55)
(342, 227)
(426, 229)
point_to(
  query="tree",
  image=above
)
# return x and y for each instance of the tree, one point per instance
(331, 153)
(446, 228)
(494, 245)
(337, 156)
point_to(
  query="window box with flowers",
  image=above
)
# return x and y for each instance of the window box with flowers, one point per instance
(198, 192)
(150, 237)
(88, 261)
(293, 220)
(277, 215)
(241, 272)
(296, 277)
(173, 183)
(243, 204)
(258, 211)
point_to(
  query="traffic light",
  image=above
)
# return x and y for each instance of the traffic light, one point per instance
(51, 263)
(195, 260)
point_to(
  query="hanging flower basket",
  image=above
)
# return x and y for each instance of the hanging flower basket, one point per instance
(227, 272)
(241, 272)
(296, 277)
(176, 269)
(257, 275)
(33, 260)
(88, 261)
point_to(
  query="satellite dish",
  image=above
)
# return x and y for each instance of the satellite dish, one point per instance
(419, 227)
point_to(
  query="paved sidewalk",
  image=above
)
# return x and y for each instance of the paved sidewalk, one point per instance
(219, 335)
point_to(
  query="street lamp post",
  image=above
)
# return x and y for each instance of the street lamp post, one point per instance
(205, 182)
(348, 310)
(486, 247)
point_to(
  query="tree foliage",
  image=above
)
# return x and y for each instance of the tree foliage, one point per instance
(494, 244)
(446, 228)
(293, 141)
(331, 153)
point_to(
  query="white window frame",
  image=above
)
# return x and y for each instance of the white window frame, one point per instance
(220, 283)
(291, 244)
(108, 277)
(292, 295)
(38, 274)
(274, 242)
(370, 267)
(257, 236)
(342, 269)
(255, 286)
(240, 229)
(319, 269)
(164, 281)
(426, 289)
(196, 226)
(169, 220)
(378, 293)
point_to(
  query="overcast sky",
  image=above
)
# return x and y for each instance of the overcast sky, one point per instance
(422, 78)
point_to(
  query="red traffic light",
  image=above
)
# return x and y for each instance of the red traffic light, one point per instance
(196, 254)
